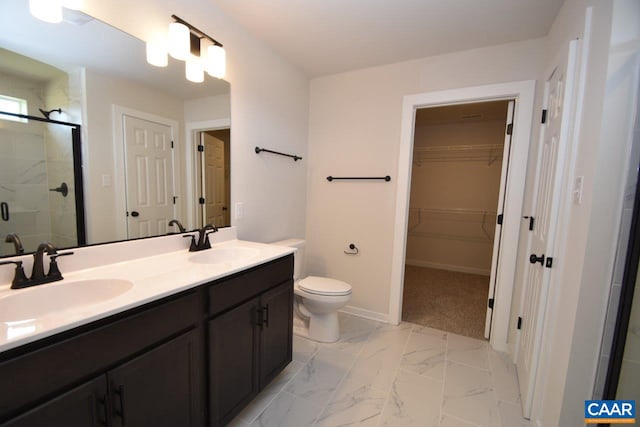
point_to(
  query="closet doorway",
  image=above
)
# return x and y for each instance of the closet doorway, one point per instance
(459, 171)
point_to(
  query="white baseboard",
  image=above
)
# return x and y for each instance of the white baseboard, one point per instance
(449, 267)
(367, 314)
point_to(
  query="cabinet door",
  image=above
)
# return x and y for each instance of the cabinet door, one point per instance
(276, 331)
(158, 388)
(84, 405)
(233, 341)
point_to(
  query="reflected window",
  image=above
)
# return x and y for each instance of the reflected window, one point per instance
(10, 104)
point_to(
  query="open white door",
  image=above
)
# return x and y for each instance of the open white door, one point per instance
(552, 153)
(213, 180)
(495, 258)
(149, 177)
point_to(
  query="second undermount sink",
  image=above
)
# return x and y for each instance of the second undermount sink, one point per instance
(45, 299)
(224, 254)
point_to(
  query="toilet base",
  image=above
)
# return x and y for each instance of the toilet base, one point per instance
(321, 327)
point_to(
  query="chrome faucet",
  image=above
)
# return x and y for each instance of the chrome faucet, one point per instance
(178, 223)
(17, 243)
(203, 238)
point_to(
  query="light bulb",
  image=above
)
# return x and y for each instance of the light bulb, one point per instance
(179, 41)
(46, 10)
(216, 61)
(194, 69)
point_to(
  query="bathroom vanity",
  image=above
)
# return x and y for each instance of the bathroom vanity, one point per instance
(192, 357)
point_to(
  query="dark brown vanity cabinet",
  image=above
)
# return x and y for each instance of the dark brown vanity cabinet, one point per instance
(250, 343)
(139, 368)
(188, 359)
(153, 389)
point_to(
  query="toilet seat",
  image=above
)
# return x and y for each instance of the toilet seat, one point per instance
(324, 286)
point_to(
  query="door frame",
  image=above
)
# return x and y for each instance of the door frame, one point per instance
(119, 167)
(191, 161)
(524, 93)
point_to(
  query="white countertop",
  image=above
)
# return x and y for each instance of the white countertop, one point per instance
(153, 277)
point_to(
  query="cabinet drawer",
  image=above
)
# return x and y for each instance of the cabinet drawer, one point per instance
(43, 372)
(230, 292)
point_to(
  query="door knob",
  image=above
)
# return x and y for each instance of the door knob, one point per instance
(533, 259)
(224, 208)
(135, 213)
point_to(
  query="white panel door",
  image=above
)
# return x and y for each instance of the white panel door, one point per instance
(214, 180)
(497, 238)
(149, 177)
(551, 160)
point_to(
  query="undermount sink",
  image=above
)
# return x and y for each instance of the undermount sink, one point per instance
(57, 297)
(222, 255)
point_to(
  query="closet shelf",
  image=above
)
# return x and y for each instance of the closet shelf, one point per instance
(489, 153)
(452, 223)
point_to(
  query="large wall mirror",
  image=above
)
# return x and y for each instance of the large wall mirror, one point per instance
(154, 146)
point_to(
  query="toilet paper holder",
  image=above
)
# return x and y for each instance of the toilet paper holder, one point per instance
(353, 250)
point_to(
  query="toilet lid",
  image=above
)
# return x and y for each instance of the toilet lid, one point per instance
(324, 286)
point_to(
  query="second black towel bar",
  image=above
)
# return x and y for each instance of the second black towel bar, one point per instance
(334, 178)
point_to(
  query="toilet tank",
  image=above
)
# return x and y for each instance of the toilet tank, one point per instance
(298, 258)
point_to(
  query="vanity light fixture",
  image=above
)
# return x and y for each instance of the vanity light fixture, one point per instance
(51, 10)
(187, 43)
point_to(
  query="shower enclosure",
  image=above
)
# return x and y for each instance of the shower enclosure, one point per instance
(40, 182)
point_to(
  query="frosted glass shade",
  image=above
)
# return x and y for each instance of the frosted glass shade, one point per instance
(216, 61)
(46, 10)
(194, 70)
(179, 41)
(157, 54)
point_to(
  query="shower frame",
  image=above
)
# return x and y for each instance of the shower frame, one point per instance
(76, 145)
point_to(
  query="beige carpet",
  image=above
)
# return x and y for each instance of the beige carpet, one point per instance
(446, 300)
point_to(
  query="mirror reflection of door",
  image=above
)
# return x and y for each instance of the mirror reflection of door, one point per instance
(149, 177)
(215, 177)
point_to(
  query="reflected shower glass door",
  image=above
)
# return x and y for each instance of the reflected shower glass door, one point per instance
(39, 179)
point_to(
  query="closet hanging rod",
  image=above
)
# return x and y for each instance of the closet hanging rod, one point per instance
(385, 178)
(294, 157)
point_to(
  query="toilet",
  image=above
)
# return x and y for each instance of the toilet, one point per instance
(316, 301)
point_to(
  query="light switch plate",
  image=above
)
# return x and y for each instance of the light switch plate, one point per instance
(239, 210)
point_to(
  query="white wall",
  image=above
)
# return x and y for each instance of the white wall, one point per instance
(207, 108)
(102, 92)
(269, 107)
(354, 129)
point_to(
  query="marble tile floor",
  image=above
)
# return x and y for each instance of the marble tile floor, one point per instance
(383, 375)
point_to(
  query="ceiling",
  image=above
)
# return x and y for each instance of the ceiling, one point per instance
(330, 36)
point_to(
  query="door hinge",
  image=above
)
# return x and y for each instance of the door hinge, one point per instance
(500, 219)
(519, 322)
(491, 303)
(544, 116)
(509, 128)
(531, 221)
(201, 200)
(171, 144)
(174, 199)
(201, 148)
(549, 262)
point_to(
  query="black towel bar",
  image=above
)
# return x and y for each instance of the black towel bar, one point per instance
(294, 157)
(385, 178)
